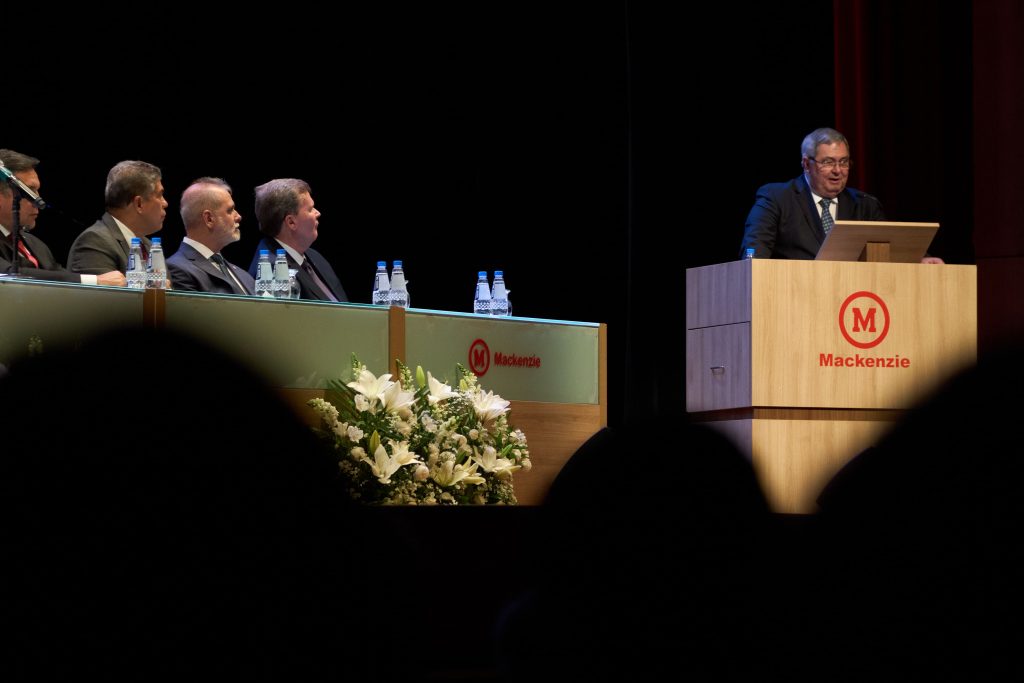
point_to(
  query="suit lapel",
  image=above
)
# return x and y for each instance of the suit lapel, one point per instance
(39, 250)
(204, 264)
(309, 284)
(116, 234)
(324, 271)
(242, 277)
(845, 209)
(810, 210)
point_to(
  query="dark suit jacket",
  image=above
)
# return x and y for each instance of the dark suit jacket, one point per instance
(784, 222)
(309, 288)
(101, 248)
(192, 272)
(49, 268)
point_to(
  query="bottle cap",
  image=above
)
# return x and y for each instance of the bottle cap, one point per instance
(136, 241)
(382, 264)
(265, 252)
(499, 273)
(280, 252)
(398, 264)
(155, 241)
(483, 274)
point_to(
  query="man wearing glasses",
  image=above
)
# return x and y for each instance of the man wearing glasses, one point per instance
(790, 220)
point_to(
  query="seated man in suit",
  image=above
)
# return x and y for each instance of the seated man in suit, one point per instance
(136, 207)
(211, 223)
(34, 258)
(790, 220)
(288, 220)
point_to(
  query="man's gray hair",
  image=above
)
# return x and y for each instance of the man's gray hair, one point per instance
(200, 196)
(822, 136)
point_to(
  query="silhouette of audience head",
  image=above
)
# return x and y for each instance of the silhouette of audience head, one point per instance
(166, 511)
(924, 533)
(650, 535)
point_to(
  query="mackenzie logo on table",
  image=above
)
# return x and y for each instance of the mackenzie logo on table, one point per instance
(480, 359)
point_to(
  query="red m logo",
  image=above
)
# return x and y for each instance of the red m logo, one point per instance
(864, 322)
(864, 319)
(479, 357)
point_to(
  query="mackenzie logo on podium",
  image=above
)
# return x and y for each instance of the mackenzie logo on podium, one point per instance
(859, 316)
(864, 321)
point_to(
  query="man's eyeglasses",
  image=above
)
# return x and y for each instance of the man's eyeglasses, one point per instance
(829, 164)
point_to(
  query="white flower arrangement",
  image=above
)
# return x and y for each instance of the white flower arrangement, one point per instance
(428, 445)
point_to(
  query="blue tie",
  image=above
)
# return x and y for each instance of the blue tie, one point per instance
(826, 216)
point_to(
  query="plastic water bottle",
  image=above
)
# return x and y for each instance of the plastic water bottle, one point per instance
(156, 268)
(282, 286)
(482, 300)
(499, 296)
(264, 275)
(136, 274)
(749, 253)
(381, 286)
(399, 287)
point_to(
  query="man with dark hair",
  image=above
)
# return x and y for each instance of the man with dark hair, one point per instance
(791, 220)
(284, 208)
(211, 223)
(34, 258)
(136, 207)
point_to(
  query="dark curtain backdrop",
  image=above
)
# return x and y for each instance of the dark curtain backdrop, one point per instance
(998, 159)
(902, 93)
(931, 97)
(594, 152)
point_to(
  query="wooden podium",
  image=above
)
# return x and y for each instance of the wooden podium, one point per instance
(806, 363)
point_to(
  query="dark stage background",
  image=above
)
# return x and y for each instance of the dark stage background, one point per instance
(592, 152)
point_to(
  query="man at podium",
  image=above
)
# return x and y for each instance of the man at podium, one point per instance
(790, 220)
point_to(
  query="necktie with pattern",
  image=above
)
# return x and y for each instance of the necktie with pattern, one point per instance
(826, 216)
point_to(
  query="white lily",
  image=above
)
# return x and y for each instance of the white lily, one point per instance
(401, 453)
(447, 473)
(394, 399)
(438, 391)
(384, 465)
(370, 386)
(490, 462)
(489, 406)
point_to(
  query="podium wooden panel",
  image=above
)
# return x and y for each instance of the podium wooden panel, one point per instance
(806, 363)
